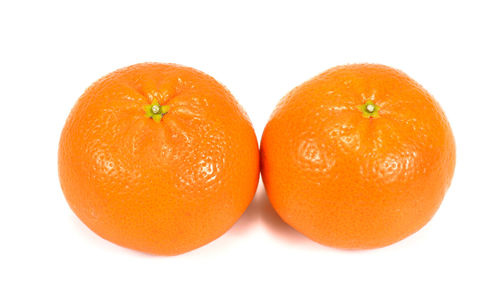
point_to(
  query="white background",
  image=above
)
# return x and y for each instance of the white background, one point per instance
(260, 50)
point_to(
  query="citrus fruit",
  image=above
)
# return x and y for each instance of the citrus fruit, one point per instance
(159, 158)
(358, 157)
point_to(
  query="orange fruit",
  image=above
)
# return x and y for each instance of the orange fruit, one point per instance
(358, 157)
(159, 158)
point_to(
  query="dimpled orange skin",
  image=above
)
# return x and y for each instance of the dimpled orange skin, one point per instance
(162, 187)
(356, 182)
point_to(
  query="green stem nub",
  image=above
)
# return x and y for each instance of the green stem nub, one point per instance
(156, 111)
(369, 109)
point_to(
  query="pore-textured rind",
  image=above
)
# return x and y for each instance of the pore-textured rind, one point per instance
(349, 181)
(160, 187)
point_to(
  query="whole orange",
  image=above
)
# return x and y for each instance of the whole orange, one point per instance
(159, 158)
(359, 156)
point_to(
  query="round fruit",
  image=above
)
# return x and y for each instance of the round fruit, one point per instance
(358, 157)
(159, 158)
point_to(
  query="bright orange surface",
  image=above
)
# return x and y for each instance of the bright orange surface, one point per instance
(162, 187)
(351, 181)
